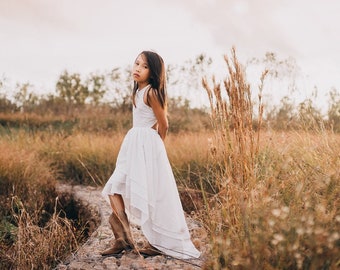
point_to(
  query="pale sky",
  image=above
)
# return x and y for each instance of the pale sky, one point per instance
(41, 38)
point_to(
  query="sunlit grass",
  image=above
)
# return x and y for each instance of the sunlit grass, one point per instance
(34, 231)
(279, 196)
(288, 216)
(267, 199)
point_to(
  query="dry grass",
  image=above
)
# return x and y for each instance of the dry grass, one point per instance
(278, 201)
(33, 231)
(93, 119)
(287, 217)
(23, 173)
(271, 200)
(83, 158)
(39, 247)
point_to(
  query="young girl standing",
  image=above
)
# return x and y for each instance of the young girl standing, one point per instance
(142, 184)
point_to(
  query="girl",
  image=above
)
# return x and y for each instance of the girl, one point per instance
(143, 183)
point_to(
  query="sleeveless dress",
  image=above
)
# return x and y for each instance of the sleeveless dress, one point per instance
(144, 178)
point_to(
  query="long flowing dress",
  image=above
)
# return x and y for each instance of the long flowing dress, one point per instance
(144, 178)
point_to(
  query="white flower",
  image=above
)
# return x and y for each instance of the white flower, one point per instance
(271, 222)
(300, 231)
(285, 209)
(279, 237)
(276, 212)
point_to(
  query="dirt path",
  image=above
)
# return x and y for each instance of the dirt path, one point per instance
(88, 256)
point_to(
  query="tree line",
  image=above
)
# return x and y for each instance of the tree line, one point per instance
(77, 93)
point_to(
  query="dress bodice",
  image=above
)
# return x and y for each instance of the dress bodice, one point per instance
(143, 115)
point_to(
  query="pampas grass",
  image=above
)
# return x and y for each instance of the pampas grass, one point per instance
(278, 201)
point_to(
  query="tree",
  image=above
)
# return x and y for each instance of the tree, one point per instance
(6, 105)
(96, 88)
(72, 90)
(282, 117)
(25, 99)
(309, 116)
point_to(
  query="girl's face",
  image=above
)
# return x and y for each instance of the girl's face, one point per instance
(141, 71)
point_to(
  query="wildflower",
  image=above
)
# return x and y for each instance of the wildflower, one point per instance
(276, 212)
(299, 259)
(295, 246)
(284, 212)
(337, 218)
(334, 237)
(279, 237)
(271, 223)
(275, 242)
(300, 231)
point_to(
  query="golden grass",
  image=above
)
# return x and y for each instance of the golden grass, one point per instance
(278, 200)
(33, 233)
(23, 173)
(39, 247)
(84, 158)
(271, 199)
(288, 215)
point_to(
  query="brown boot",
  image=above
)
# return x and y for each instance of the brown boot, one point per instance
(126, 229)
(120, 243)
(149, 250)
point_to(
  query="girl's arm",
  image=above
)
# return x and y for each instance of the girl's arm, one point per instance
(160, 114)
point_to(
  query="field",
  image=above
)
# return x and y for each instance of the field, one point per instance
(287, 217)
(269, 198)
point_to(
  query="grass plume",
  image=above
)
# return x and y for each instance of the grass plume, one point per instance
(277, 206)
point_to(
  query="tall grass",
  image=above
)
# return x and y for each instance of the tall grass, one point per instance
(83, 158)
(236, 147)
(269, 200)
(277, 205)
(285, 217)
(34, 230)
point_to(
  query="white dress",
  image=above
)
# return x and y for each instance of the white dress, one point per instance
(144, 178)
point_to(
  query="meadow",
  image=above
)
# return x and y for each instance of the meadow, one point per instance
(269, 198)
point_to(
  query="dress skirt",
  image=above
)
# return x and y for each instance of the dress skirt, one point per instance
(144, 178)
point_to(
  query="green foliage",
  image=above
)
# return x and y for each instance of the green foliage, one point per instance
(287, 116)
(309, 116)
(282, 117)
(6, 106)
(184, 118)
(72, 90)
(96, 88)
(25, 98)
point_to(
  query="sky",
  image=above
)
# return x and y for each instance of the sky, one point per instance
(41, 38)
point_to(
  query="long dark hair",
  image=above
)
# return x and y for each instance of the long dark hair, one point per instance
(157, 77)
